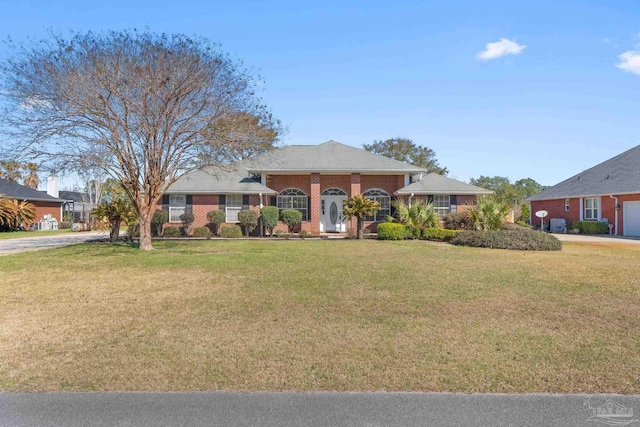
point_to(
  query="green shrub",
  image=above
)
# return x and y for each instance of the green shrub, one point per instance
(64, 225)
(202, 232)
(231, 231)
(439, 234)
(304, 234)
(391, 231)
(248, 220)
(412, 232)
(291, 217)
(270, 218)
(524, 240)
(590, 227)
(523, 224)
(216, 218)
(513, 226)
(157, 220)
(458, 221)
(186, 220)
(171, 231)
(133, 230)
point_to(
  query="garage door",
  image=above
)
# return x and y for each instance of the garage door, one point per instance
(631, 218)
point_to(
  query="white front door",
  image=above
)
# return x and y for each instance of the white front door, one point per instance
(331, 219)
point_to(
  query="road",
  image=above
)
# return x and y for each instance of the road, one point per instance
(307, 409)
(12, 246)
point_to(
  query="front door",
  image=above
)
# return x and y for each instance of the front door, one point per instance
(331, 219)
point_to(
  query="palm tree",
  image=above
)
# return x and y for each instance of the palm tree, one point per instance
(113, 213)
(7, 212)
(10, 170)
(488, 213)
(359, 207)
(25, 213)
(419, 215)
(31, 179)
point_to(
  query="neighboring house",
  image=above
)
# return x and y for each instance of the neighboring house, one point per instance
(314, 179)
(44, 203)
(607, 192)
(77, 203)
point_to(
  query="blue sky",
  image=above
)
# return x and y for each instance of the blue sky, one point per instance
(364, 70)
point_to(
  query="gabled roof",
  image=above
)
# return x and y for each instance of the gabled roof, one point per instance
(218, 181)
(13, 190)
(434, 183)
(330, 156)
(618, 175)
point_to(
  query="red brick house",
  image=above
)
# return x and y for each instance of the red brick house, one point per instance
(609, 191)
(314, 179)
(44, 203)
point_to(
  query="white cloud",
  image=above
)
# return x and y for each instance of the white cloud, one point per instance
(498, 49)
(630, 61)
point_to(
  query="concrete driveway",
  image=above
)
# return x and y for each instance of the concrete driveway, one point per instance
(12, 246)
(313, 409)
(609, 240)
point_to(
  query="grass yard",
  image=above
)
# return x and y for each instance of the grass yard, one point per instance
(21, 234)
(320, 315)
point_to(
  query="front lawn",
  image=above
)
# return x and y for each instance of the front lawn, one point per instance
(21, 234)
(320, 315)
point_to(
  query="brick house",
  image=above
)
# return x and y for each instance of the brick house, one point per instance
(44, 203)
(314, 179)
(609, 191)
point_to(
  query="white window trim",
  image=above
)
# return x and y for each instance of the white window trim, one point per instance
(234, 208)
(567, 205)
(596, 207)
(182, 208)
(442, 211)
(381, 215)
(302, 197)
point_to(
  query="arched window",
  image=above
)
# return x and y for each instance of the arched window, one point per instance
(381, 197)
(294, 198)
(334, 192)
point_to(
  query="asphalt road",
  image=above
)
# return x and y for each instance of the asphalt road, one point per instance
(12, 246)
(309, 409)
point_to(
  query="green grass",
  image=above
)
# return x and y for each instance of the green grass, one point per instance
(22, 234)
(320, 315)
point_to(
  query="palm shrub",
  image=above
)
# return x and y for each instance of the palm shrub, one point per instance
(270, 218)
(249, 220)
(160, 217)
(7, 213)
(113, 213)
(415, 217)
(291, 217)
(18, 213)
(216, 218)
(488, 214)
(359, 207)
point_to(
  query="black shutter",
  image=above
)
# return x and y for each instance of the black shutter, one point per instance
(453, 200)
(189, 207)
(308, 218)
(430, 198)
(165, 203)
(245, 201)
(222, 202)
(273, 201)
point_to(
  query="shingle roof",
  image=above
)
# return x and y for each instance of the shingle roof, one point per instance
(76, 196)
(434, 183)
(16, 191)
(216, 180)
(618, 175)
(330, 156)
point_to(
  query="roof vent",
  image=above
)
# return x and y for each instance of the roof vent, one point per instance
(607, 177)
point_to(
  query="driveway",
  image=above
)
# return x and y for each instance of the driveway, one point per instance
(314, 409)
(606, 239)
(12, 246)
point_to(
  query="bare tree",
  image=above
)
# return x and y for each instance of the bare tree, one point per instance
(144, 108)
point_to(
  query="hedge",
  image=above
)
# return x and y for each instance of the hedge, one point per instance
(391, 231)
(590, 227)
(231, 231)
(524, 240)
(202, 232)
(171, 231)
(439, 234)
